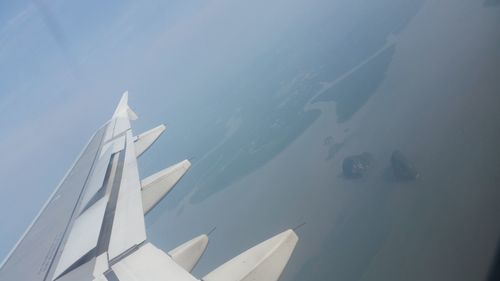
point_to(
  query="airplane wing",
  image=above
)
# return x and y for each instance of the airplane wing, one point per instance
(92, 227)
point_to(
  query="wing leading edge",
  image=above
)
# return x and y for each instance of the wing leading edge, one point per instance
(99, 233)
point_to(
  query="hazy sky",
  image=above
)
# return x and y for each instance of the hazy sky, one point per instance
(64, 65)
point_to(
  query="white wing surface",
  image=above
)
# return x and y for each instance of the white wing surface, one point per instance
(92, 227)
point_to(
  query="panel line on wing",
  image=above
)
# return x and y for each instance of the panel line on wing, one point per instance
(111, 276)
(109, 215)
(81, 261)
(102, 191)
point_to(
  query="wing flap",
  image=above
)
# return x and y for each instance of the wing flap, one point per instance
(97, 179)
(83, 237)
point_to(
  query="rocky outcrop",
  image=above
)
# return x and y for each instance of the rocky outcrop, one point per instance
(356, 166)
(403, 169)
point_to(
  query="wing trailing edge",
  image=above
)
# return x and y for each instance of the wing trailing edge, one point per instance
(148, 263)
(263, 262)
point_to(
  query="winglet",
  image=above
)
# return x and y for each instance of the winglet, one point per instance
(122, 105)
(123, 110)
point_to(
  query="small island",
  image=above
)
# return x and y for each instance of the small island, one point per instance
(403, 169)
(356, 166)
